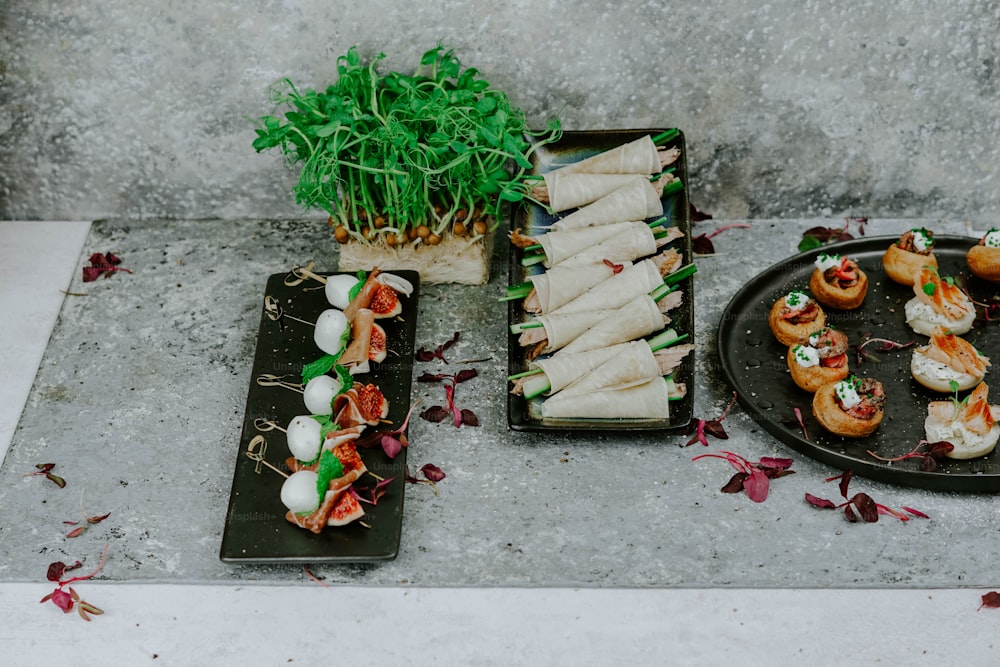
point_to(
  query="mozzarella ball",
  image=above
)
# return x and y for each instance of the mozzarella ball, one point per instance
(299, 493)
(318, 395)
(329, 334)
(338, 289)
(304, 438)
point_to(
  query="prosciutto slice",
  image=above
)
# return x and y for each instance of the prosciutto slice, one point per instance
(636, 200)
(649, 400)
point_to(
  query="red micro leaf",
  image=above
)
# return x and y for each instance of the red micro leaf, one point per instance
(866, 507)
(990, 600)
(437, 353)
(76, 532)
(917, 513)
(735, 483)
(466, 374)
(63, 600)
(391, 445)
(696, 215)
(756, 485)
(435, 413)
(432, 472)
(820, 502)
(615, 268)
(469, 418)
(100, 264)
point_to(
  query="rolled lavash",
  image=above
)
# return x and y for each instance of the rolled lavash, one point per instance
(561, 330)
(565, 369)
(560, 246)
(636, 200)
(614, 292)
(635, 157)
(561, 285)
(649, 400)
(639, 317)
(569, 190)
(633, 363)
(634, 241)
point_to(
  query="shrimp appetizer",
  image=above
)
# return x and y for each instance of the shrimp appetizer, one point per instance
(969, 425)
(913, 251)
(984, 258)
(821, 361)
(794, 317)
(939, 304)
(948, 359)
(852, 407)
(838, 283)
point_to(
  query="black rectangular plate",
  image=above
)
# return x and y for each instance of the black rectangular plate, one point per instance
(256, 530)
(572, 147)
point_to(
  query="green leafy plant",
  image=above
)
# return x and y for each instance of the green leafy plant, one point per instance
(394, 157)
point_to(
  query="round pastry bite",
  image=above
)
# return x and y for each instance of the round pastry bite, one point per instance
(984, 257)
(838, 282)
(913, 251)
(970, 426)
(794, 316)
(822, 360)
(939, 305)
(852, 407)
(948, 359)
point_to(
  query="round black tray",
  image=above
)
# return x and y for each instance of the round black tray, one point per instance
(755, 365)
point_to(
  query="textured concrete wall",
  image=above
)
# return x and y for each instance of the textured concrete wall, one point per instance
(791, 108)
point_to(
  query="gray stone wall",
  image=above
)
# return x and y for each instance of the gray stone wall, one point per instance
(791, 108)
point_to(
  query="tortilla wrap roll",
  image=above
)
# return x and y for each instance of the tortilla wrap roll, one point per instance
(636, 157)
(559, 246)
(634, 241)
(633, 363)
(639, 317)
(636, 200)
(561, 285)
(564, 370)
(649, 400)
(616, 291)
(561, 330)
(566, 191)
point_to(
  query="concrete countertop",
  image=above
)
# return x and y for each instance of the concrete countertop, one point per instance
(533, 613)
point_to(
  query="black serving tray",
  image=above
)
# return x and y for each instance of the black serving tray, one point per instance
(256, 530)
(523, 415)
(754, 363)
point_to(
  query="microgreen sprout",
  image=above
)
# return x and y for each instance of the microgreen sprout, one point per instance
(702, 244)
(860, 505)
(702, 427)
(929, 458)
(431, 476)
(69, 598)
(880, 344)
(105, 265)
(752, 477)
(46, 470)
(815, 237)
(403, 151)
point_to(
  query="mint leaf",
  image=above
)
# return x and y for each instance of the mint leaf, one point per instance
(318, 367)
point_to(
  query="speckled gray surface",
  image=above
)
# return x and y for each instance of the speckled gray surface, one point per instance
(139, 402)
(791, 108)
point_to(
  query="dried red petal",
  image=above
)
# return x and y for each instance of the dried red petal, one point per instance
(867, 508)
(820, 502)
(466, 374)
(76, 532)
(56, 571)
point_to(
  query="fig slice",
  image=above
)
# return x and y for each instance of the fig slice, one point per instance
(346, 510)
(378, 346)
(385, 302)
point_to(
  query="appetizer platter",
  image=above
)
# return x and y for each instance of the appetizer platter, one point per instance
(600, 300)
(881, 346)
(302, 326)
